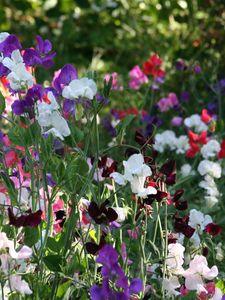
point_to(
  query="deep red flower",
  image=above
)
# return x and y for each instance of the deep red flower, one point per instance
(152, 66)
(221, 153)
(193, 150)
(30, 219)
(213, 229)
(181, 225)
(102, 214)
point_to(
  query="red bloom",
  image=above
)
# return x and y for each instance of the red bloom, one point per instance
(206, 118)
(221, 154)
(193, 150)
(213, 229)
(152, 66)
(194, 141)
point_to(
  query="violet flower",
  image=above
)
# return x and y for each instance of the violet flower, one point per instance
(64, 77)
(40, 55)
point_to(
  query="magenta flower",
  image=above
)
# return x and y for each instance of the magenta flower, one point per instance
(137, 78)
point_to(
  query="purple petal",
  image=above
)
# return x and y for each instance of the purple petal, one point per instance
(31, 57)
(47, 62)
(18, 107)
(47, 46)
(67, 74)
(136, 286)
(68, 106)
(10, 44)
(40, 44)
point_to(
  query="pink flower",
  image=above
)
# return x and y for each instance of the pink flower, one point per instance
(177, 121)
(19, 285)
(10, 158)
(137, 78)
(115, 82)
(168, 102)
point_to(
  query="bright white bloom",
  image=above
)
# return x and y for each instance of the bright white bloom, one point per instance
(211, 190)
(84, 87)
(170, 285)
(210, 149)
(197, 271)
(48, 116)
(19, 285)
(211, 168)
(135, 171)
(186, 170)
(198, 221)
(165, 140)
(24, 197)
(195, 122)
(181, 144)
(19, 76)
(175, 258)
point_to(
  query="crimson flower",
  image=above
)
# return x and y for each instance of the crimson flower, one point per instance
(213, 229)
(221, 153)
(152, 66)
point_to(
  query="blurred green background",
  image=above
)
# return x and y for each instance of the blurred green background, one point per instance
(114, 35)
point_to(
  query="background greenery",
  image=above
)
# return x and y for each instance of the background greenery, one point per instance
(110, 35)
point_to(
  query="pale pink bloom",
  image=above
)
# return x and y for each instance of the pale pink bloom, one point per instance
(197, 271)
(133, 233)
(177, 121)
(19, 285)
(168, 102)
(175, 258)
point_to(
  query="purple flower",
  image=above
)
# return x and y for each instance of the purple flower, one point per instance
(8, 45)
(18, 107)
(177, 121)
(40, 55)
(197, 69)
(36, 92)
(64, 77)
(180, 65)
(68, 106)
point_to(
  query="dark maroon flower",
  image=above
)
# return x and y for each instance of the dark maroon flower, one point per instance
(205, 251)
(179, 204)
(141, 139)
(30, 219)
(181, 225)
(102, 214)
(169, 170)
(93, 248)
(213, 229)
(106, 166)
(172, 238)
(60, 215)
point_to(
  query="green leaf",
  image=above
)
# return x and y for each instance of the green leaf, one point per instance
(31, 236)
(2, 103)
(221, 285)
(53, 245)
(10, 188)
(79, 112)
(63, 288)
(53, 262)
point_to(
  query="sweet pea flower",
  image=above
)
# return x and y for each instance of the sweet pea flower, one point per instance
(19, 76)
(170, 285)
(175, 258)
(19, 285)
(135, 172)
(211, 149)
(137, 78)
(194, 121)
(198, 271)
(211, 168)
(84, 87)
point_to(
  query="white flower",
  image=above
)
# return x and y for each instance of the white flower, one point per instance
(181, 144)
(211, 168)
(135, 171)
(218, 294)
(19, 285)
(18, 76)
(186, 170)
(198, 221)
(48, 116)
(197, 271)
(122, 213)
(175, 258)
(195, 122)
(164, 140)
(83, 87)
(170, 285)
(3, 199)
(210, 149)
(3, 36)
